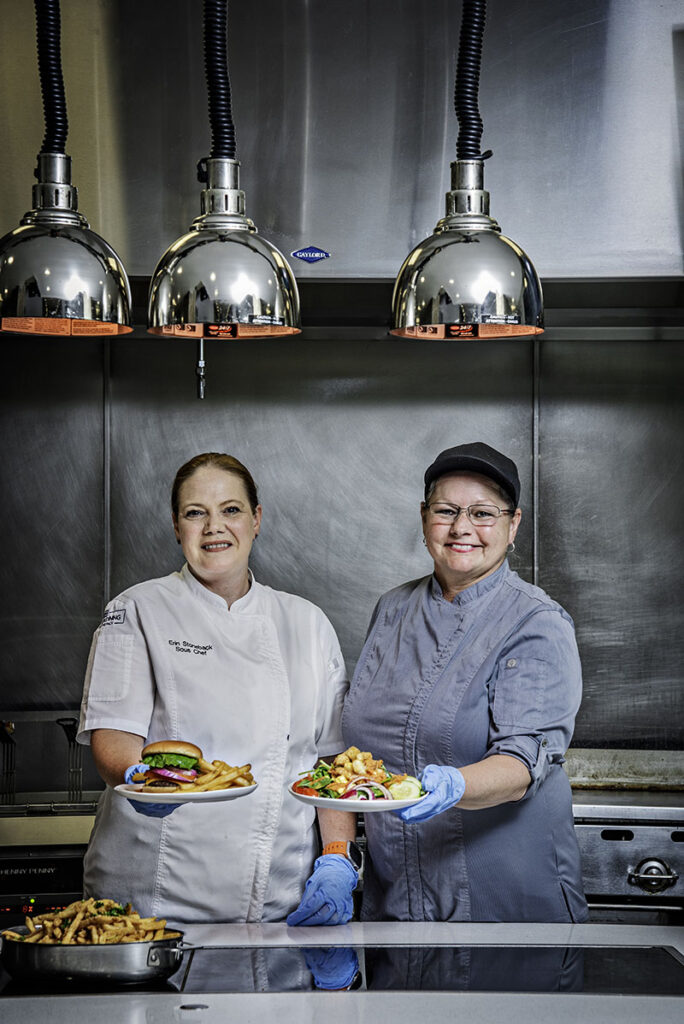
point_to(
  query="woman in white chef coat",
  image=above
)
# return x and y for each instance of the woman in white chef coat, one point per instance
(249, 674)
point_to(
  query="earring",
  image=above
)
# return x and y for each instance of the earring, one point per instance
(510, 548)
(424, 542)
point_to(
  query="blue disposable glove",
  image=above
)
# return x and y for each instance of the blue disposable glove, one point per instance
(445, 786)
(151, 810)
(327, 897)
(332, 967)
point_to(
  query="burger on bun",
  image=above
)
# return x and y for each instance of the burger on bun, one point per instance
(170, 762)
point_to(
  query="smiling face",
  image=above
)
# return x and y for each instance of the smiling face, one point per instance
(462, 552)
(216, 528)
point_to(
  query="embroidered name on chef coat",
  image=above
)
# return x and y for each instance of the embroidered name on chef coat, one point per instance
(185, 647)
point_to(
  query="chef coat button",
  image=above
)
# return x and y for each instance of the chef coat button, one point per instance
(545, 743)
(511, 663)
(288, 736)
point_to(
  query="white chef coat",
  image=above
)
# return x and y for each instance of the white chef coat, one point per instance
(261, 683)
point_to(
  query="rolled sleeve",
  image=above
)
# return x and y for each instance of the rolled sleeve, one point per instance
(535, 693)
(119, 686)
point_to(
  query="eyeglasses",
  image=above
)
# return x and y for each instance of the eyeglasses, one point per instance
(479, 515)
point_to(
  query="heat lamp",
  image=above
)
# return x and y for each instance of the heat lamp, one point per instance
(57, 276)
(467, 280)
(221, 279)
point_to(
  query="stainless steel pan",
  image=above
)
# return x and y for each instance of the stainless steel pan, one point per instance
(126, 962)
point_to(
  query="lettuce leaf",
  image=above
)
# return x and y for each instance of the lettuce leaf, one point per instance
(170, 761)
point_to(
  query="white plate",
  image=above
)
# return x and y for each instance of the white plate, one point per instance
(360, 806)
(133, 791)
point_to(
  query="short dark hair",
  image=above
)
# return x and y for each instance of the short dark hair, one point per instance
(222, 461)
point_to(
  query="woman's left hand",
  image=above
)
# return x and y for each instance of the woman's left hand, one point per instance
(445, 787)
(327, 895)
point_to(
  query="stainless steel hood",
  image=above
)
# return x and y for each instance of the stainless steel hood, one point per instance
(345, 125)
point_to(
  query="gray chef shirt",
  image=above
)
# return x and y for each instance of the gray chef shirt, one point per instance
(496, 671)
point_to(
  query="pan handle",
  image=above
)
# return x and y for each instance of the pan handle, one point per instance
(165, 956)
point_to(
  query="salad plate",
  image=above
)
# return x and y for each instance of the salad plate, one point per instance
(133, 791)
(350, 804)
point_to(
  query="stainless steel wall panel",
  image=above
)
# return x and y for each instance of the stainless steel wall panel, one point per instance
(51, 576)
(338, 425)
(51, 474)
(345, 125)
(612, 533)
(337, 435)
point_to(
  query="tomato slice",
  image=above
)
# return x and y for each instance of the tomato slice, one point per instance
(305, 790)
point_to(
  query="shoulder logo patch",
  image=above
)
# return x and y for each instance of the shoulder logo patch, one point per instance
(114, 618)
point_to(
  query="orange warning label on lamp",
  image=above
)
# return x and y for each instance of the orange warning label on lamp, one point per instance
(61, 326)
(36, 325)
(96, 327)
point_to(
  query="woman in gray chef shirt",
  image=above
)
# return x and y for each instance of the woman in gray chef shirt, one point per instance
(470, 678)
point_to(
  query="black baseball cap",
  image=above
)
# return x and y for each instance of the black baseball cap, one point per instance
(477, 458)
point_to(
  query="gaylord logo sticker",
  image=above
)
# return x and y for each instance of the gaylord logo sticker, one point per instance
(311, 254)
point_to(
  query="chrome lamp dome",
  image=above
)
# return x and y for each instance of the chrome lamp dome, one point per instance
(467, 280)
(222, 279)
(57, 276)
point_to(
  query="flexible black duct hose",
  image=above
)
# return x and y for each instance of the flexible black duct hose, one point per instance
(51, 80)
(218, 80)
(468, 145)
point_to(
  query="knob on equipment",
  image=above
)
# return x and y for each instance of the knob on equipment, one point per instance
(652, 875)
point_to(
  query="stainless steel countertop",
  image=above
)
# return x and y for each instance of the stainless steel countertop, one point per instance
(380, 1007)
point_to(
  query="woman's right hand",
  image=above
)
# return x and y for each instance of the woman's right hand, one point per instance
(151, 810)
(445, 787)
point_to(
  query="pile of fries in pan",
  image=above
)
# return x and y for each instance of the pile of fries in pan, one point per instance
(92, 922)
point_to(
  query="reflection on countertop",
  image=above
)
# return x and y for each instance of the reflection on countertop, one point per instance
(574, 972)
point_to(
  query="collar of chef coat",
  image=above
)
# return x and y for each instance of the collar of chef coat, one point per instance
(246, 603)
(472, 593)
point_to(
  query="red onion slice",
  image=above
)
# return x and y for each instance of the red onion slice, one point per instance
(367, 790)
(177, 774)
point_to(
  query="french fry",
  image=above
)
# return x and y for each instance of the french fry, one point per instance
(73, 926)
(145, 923)
(216, 784)
(205, 779)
